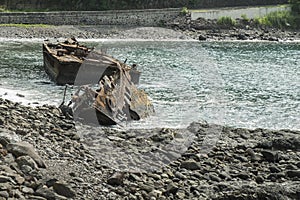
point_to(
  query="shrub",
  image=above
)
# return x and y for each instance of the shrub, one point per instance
(226, 21)
(279, 19)
(245, 18)
(184, 11)
(295, 5)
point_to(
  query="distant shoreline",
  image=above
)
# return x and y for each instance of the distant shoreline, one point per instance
(147, 33)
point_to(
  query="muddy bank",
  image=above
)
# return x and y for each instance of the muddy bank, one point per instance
(43, 156)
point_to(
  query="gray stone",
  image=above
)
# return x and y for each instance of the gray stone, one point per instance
(180, 195)
(78, 179)
(5, 186)
(274, 169)
(26, 169)
(19, 195)
(190, 165)
(259, 179)
(155, 193)
(25, 149)
(243, 175)
(62, 188)
(298, 164)
(32, 197)
(224, 175)
(116, 179)
(291, 167)
(134, 177)
(293, 173)
(4, 194)
(5, 179)
(269, 155)
(202, 37)
(46, 192)
(214, 177)
(180, 175)
(26, 160)
(146, 187)
(27, 190)
(7, 136)
(19, 179)
(172, 189)
(51, 182)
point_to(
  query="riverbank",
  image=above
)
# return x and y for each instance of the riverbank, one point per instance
(44, 156)
(91, 32)
(180, 29)
(243, 30)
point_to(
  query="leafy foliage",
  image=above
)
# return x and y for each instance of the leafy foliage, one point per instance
(295, 5)
(228, 21)
(279, 19)
(184, 11)
(245, 18)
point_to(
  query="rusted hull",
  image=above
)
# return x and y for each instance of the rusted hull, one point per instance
(65, 72)
(61, 73)
(116, 98)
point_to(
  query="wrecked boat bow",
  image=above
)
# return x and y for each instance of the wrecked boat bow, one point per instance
(111, 95)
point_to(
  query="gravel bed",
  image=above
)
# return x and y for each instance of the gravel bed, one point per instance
(43, 155)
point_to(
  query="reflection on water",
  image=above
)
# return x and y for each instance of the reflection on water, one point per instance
(240, 84)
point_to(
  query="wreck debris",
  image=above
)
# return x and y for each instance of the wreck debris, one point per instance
(115, 100)
(64, 61)
(107, 95)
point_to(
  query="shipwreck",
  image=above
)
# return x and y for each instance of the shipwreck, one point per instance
(107, 91)
(64, 61)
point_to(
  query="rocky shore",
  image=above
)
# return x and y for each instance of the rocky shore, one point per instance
(91, 32)
(44, 156)
(244, 30)
(181, 28)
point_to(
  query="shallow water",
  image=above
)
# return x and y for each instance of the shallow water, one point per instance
(233, 83)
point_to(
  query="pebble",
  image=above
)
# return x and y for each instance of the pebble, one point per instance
(293, 173)
(242, 165)
(269, 155)
(190, 165)
(25, 149)
(26, 160)
(259, 179)
(116, 179)
(172, 188)
(27, 190)
(4, 194)
(62, 188)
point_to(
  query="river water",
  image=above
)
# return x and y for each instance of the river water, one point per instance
(242, 84)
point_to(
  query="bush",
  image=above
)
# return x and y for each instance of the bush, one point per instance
(278, 19)
(295, 6)
(184, 11)
(228, 21)
(245, 18)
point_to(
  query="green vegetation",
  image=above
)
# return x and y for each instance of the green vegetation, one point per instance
(295, 6)
(282, 19)
(245, 18)
(184, 11)
(25, 25)
(278, 19)
(228, 21)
